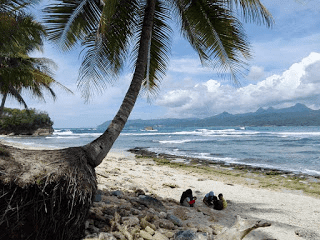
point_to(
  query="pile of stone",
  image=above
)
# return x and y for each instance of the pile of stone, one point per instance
(135, 215)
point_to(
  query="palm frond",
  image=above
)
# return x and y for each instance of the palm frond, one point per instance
(20, 33)
(16, 95)
(159, 49)
(253, 11)
(71, 21)
(16, 5)
(217, 35)
(107, 46)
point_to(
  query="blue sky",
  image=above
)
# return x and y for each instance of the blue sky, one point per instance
(284, 70)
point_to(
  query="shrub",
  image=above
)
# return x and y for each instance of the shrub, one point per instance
(16, 120)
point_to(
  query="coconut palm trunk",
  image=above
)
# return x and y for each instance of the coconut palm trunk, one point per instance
(46, 194)
(58, 186)
(99, 148)
(3, 101)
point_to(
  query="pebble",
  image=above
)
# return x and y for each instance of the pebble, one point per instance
(149, 230)
(106, 236)
(145, 235)
(175, 220)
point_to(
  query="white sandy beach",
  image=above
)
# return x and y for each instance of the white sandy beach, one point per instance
(287, 211)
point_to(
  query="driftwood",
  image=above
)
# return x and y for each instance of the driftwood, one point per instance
(240, 229)
(44, 194)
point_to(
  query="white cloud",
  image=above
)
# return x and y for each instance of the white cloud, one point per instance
(300, 83)
(256, 73)
(188, 65)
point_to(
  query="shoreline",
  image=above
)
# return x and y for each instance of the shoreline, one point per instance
(294, 213)
(247, 175)
(205, 162)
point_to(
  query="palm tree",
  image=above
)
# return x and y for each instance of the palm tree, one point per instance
(57, 186)
(20, 35)
(108, 30)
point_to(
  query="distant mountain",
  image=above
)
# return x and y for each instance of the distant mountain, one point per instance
(297, 115)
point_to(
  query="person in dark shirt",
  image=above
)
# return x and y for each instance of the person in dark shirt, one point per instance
(187, 199)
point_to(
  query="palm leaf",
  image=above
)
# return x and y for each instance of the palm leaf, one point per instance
(216, 34)
(71, 21)
(159, 49)
(107, 46)
(253, 11)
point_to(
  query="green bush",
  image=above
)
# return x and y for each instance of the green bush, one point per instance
(16, 120)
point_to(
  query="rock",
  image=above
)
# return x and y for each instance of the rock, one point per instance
(119, 235)
(191, 225)
(149, 230)
(204, 229)
(139, 192)
(159, 236)
(169, 234)
(190, 235)
(117, 193)
(151, 202)
(43, 131)
(130, 221)
(177, 221)
(96, 213)
(106, 236)
(145, 235)
(164, 223)
(97, 197)
(94, 235)
(135, 211)
(144, 223)
(163, 215)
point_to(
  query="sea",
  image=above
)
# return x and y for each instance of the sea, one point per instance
(293, 149)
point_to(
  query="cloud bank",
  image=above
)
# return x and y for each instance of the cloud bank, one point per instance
(300, 83)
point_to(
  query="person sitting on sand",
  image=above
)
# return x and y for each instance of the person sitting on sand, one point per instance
(219, 204)
(208, 199)
(187, 199)
(224, 202)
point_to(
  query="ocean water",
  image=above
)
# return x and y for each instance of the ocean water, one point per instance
(295, 149)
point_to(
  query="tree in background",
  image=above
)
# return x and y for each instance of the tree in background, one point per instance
(20, 35)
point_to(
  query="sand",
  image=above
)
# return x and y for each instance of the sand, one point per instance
(288, 212)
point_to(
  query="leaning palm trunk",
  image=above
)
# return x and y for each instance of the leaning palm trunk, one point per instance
(3, 101)
(99, 148)
(47, 194)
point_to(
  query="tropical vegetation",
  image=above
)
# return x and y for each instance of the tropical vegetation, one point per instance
(20, 35)
(18, 121)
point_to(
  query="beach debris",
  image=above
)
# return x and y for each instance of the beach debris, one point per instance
(241, 228)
